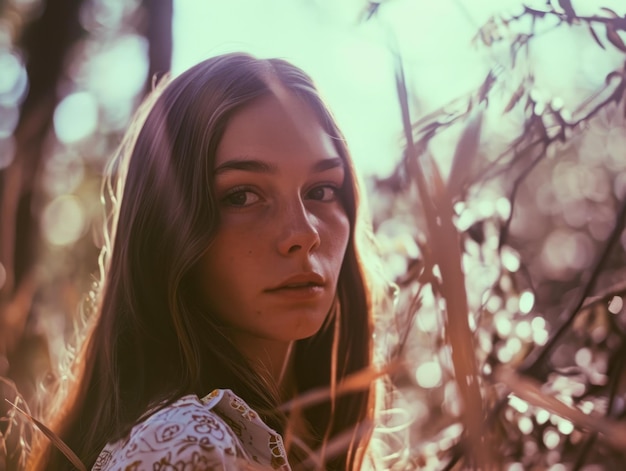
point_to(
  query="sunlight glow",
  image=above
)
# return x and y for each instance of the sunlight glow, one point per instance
(119, 71)
(348, 58)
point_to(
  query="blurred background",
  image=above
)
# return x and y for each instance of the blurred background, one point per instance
(497, 126)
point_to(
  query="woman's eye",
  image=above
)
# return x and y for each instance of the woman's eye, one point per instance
(323, 193)
(241, 198)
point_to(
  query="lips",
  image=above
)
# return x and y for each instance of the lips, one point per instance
(300, 281)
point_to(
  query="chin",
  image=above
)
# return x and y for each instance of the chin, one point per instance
(307, 330)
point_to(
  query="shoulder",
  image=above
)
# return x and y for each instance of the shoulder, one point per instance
(186, 435)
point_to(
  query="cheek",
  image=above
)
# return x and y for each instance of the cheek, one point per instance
(226, 261)
(232, 258)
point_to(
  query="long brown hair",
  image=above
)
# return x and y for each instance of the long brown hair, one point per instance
(148, 342)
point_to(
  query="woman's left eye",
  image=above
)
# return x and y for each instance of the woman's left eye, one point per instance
(323, 193)
(241, 198)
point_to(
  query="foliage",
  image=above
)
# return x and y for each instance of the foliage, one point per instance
(510, 322)
(72, 73)
(529, 345)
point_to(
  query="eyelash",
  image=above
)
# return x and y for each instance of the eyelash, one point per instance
(333, 188)
(238, 190)
(245, 189)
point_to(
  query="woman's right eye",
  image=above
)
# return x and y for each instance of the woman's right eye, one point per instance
(241, 198)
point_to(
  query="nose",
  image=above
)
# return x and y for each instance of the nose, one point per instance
(298, 231)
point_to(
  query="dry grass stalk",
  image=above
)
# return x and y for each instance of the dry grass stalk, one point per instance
(444, 244)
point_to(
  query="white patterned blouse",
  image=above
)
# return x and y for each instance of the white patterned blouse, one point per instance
(217, 432)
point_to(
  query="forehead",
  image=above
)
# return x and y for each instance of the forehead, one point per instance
(279, 129)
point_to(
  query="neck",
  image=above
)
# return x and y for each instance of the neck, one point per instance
(272, 360)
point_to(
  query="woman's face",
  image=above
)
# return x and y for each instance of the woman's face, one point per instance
(271, 272)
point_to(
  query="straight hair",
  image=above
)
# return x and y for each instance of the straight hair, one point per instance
(149, 341)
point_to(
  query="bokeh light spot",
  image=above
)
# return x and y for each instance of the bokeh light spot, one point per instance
(11, 67)
(583, 357)
(523, 330)
(565, 251)
(525, 425)
(526, 302)
(429, 375)
(427, 320)
(502, 323)
(76, 117)
(538, 323)
(63, 220)
(551, 438)
(503, 207)
(616, 305)
(542, 416)
(540, 337)
(514, 345)
(510, 259)
(13, 79)
(565, 427)
(518, 404)
(119, 72)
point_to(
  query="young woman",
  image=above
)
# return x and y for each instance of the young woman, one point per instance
(233, 285)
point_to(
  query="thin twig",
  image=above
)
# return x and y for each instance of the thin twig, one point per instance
(446, 253)
(539, 358)
(54, 438)
(530, 390)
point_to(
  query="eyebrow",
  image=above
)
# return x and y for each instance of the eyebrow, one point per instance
(258, 166)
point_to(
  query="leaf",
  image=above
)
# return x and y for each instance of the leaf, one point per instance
(357, 381)
(465, 154)
(610, 12)
(613, 36)
(515, 98)
(611, 75)
(618, 93)
(530, 391)
(56, 441)
(371, 10)
(486, 86)
(595, 36)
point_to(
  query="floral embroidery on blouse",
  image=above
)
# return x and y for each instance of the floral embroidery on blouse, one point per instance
(218, 432)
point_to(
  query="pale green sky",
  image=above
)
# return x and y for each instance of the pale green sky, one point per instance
(350, 61)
